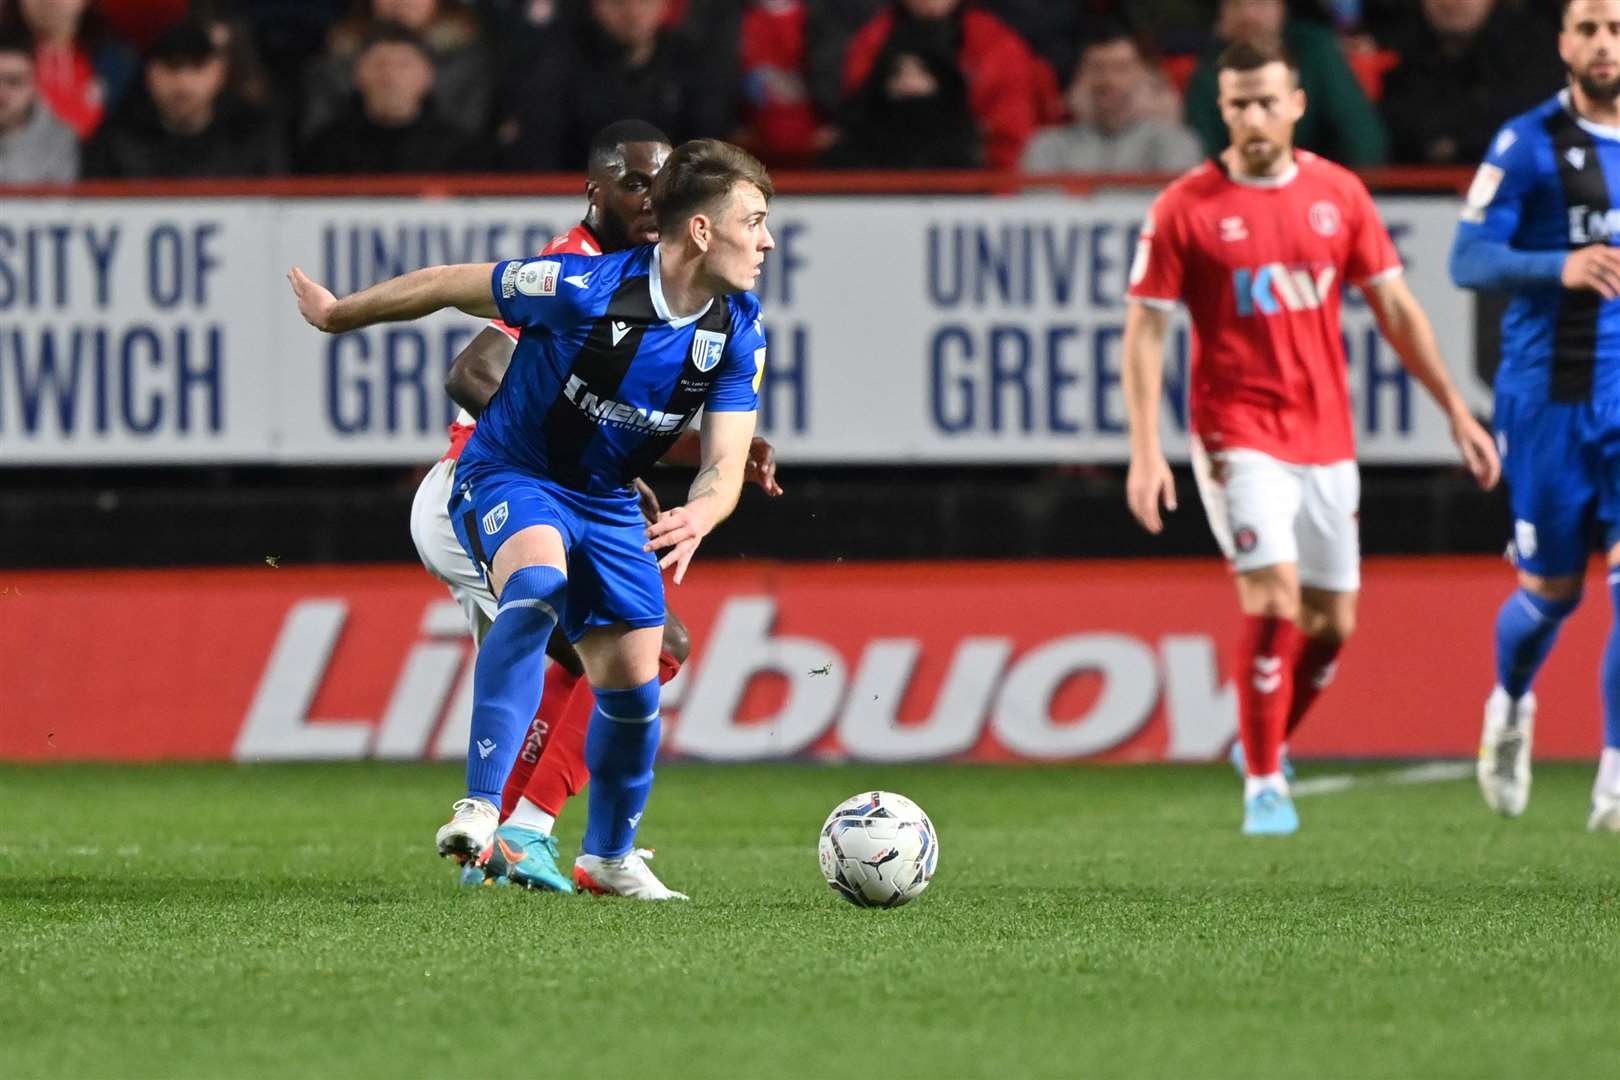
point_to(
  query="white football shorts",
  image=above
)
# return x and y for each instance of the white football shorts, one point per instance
(442, 553)
(1264, 512)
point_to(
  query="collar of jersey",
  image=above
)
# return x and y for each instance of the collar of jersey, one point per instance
(1602, 131)
(655, 284)
(1282, 179)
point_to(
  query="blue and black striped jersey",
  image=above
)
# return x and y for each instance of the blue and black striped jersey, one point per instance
(1550, 184)
(603, 378)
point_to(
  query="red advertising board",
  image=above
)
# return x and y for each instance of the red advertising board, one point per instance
(1118, 661)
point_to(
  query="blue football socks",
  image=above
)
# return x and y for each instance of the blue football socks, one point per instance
(1611, 670)
(620, 746)
(507, 675)
(1526, 627)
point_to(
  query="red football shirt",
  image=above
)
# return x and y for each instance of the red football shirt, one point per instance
(579, 240)
(1261, 265)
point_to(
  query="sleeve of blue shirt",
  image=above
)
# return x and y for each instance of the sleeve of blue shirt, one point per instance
(736, 387)
(538, 292)
(1483, 255)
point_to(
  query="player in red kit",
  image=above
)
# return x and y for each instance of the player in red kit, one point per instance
(550, 766)
(1259, 243)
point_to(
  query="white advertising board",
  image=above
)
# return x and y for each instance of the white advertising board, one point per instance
(902, 329)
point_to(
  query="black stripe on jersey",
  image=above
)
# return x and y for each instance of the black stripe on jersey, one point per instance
(689, 392)
(600, 364)
(1586, 190)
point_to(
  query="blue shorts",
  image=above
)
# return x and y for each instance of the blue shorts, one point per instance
(1561, 461)
(611, 580)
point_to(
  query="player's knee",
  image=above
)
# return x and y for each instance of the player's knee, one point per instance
(534, 589)
(1272, 605)
(531, 546)
(1338, 626)
(1269, 596)
(1561, 590)
(1331, 619)
(677, 641)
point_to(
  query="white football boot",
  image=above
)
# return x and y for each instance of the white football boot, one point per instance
(1605, 816)
(628, 876)
(469, 831)
(1504, 752)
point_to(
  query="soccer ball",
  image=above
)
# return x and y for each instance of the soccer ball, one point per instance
(878, 849)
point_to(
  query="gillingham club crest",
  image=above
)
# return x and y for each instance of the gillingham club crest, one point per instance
(495, 520)
(707, 348)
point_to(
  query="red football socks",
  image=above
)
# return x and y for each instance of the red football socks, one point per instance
(554, 696)
(561, 773)
(1264, 675)
(1314, 668)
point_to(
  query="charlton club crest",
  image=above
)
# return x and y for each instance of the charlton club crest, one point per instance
(707, 349)
(1324, 217)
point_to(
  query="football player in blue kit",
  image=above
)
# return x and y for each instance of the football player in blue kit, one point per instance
(1540, 220)
(616, 354)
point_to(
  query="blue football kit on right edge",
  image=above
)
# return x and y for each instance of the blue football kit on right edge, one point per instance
(1550, 185)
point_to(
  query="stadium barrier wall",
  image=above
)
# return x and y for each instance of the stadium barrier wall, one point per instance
(919, 328)
(979, 662)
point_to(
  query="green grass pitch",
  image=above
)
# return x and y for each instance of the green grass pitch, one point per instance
(293, 921)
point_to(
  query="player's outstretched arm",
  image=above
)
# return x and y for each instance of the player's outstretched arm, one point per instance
(713, 495)
(1405, 325)
(1149, 484)
(477, 370)
(400, 299)
(687, 453)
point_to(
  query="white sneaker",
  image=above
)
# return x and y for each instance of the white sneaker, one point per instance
(628, 876)
(469, 831)
(1605, 816)
(1504, 752)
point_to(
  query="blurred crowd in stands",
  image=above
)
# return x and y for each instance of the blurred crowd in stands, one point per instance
(249, 88)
